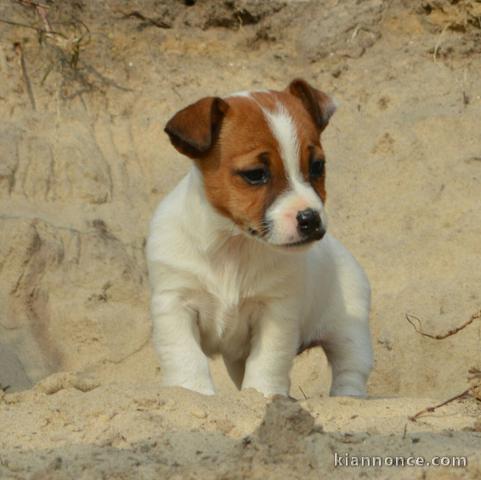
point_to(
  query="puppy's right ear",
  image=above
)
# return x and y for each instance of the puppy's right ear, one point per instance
(194, 130)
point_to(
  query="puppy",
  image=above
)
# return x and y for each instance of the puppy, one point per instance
(239, 260)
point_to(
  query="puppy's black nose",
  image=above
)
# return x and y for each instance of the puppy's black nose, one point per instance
(309, 224)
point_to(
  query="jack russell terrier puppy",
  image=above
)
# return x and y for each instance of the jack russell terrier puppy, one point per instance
(239, 260)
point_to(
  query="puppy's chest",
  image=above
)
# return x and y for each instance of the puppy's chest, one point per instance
(226, 327)
(229, 299)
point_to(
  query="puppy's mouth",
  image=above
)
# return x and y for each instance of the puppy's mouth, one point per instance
(312, 238)
(299, 243)
(302, 242)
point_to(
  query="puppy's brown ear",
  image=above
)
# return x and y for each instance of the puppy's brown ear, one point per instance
(317, 103)
(194, 130)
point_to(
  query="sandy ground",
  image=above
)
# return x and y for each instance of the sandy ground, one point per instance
(84, 94)
(142, 431)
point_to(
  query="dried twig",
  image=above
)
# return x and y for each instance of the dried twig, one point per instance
(147, 20)
(41, 9)
(18, 24)
(33, 3)
(474, 374)
(104, 79)
(410, 318)
(438, 43)
(43, 14)
(459, 396)
(26, 78)
(302, 391)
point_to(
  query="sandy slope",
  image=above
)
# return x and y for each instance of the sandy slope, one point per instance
(142, 431)
(83, 162)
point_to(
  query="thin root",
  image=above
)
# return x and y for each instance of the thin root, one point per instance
(302, 391)
(431, 409)
(410, 318)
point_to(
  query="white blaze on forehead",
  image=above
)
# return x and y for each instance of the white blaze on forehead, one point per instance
(285, 132)
(282, 214)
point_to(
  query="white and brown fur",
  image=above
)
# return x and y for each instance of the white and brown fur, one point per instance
(229, 270)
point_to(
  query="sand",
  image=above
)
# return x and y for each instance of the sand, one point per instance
(84, 161)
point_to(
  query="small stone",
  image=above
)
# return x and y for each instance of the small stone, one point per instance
(54, 383)
(85, 383)
(224, 425)
(199, 413)
(336, 73)
(103, 418)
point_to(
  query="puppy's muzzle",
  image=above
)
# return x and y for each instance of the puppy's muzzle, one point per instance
(309, 224)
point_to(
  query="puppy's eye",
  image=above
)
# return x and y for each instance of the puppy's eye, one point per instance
(316, 168)
(256, 176)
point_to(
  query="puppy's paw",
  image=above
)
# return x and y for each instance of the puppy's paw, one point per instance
(349, 383)
(268, 390)
(204, 389)
(348, 391)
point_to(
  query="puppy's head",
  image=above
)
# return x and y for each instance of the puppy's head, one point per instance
(261, 159)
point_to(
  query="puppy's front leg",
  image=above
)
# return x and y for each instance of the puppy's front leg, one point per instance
(177, 341)
(273, 348)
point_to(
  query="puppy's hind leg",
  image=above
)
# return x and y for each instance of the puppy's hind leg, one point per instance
(349, 352)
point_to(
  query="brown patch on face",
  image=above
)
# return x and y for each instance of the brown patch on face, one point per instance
(315, 153)
(245, 143)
